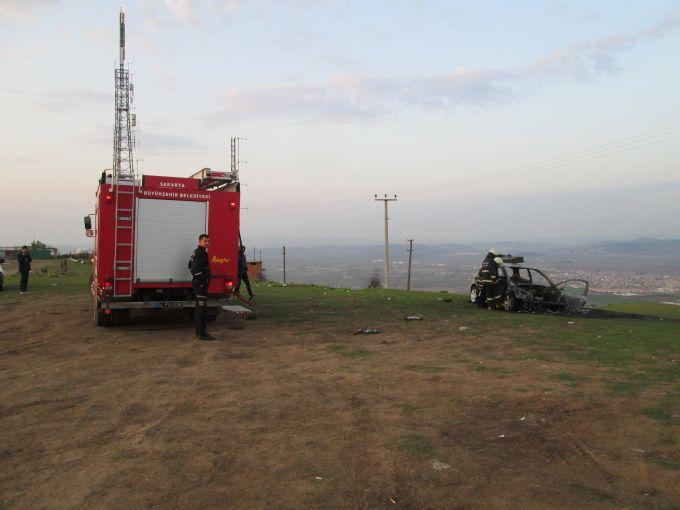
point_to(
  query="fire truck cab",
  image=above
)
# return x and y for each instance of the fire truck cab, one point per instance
(145, 231)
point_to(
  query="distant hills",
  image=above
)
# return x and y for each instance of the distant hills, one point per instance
(349, 249)
(645, 246)
(662, 248)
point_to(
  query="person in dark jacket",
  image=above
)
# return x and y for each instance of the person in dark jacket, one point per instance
(24, 259)
(243, 272)
(199, 265)
(488, 274)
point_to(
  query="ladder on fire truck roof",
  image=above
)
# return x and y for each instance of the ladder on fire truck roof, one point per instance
(124, 176)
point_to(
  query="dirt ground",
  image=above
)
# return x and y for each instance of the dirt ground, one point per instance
(299, 414)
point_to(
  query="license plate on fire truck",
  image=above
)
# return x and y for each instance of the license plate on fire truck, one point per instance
(169, 304)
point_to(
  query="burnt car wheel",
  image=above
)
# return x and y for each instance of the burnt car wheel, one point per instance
(477, 295)
(510, 303)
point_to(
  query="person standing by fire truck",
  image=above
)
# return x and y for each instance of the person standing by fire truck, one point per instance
(24, 259)
(243, 272)
(199, 265)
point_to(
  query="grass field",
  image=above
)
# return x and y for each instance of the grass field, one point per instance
(45, 278)
(647, 308)
(467, 408)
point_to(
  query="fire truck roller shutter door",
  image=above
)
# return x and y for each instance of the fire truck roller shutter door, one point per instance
(167, 233)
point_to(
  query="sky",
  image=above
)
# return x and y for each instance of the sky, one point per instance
(534, 120)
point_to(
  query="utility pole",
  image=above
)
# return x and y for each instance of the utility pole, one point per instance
(385, 199)
(410, 256)
(284, 264)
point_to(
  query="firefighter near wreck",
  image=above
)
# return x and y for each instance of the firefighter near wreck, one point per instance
(488, 275)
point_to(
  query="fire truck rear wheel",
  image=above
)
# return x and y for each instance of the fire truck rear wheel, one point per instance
(188, 314)
(120, 316)
(104, 319)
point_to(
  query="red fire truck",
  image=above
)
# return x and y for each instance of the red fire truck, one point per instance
(145, 231)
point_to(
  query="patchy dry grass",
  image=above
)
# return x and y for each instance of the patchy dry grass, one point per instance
(293, 410)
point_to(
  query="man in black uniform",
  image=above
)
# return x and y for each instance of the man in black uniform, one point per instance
(24, 259)
(199, 265)
(243, 272)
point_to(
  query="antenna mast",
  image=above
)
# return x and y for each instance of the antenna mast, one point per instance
(236, 156)
(125, 121)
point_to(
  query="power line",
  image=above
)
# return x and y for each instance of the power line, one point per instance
(492, 179)
(574, 157)
(619, 146)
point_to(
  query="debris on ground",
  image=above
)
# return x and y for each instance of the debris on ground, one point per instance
(440, 466)
(414, 318)
(366, 331)
(445, 300)
(239, 311)
(463, 328)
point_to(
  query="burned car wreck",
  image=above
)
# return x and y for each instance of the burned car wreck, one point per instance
(531, 290)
